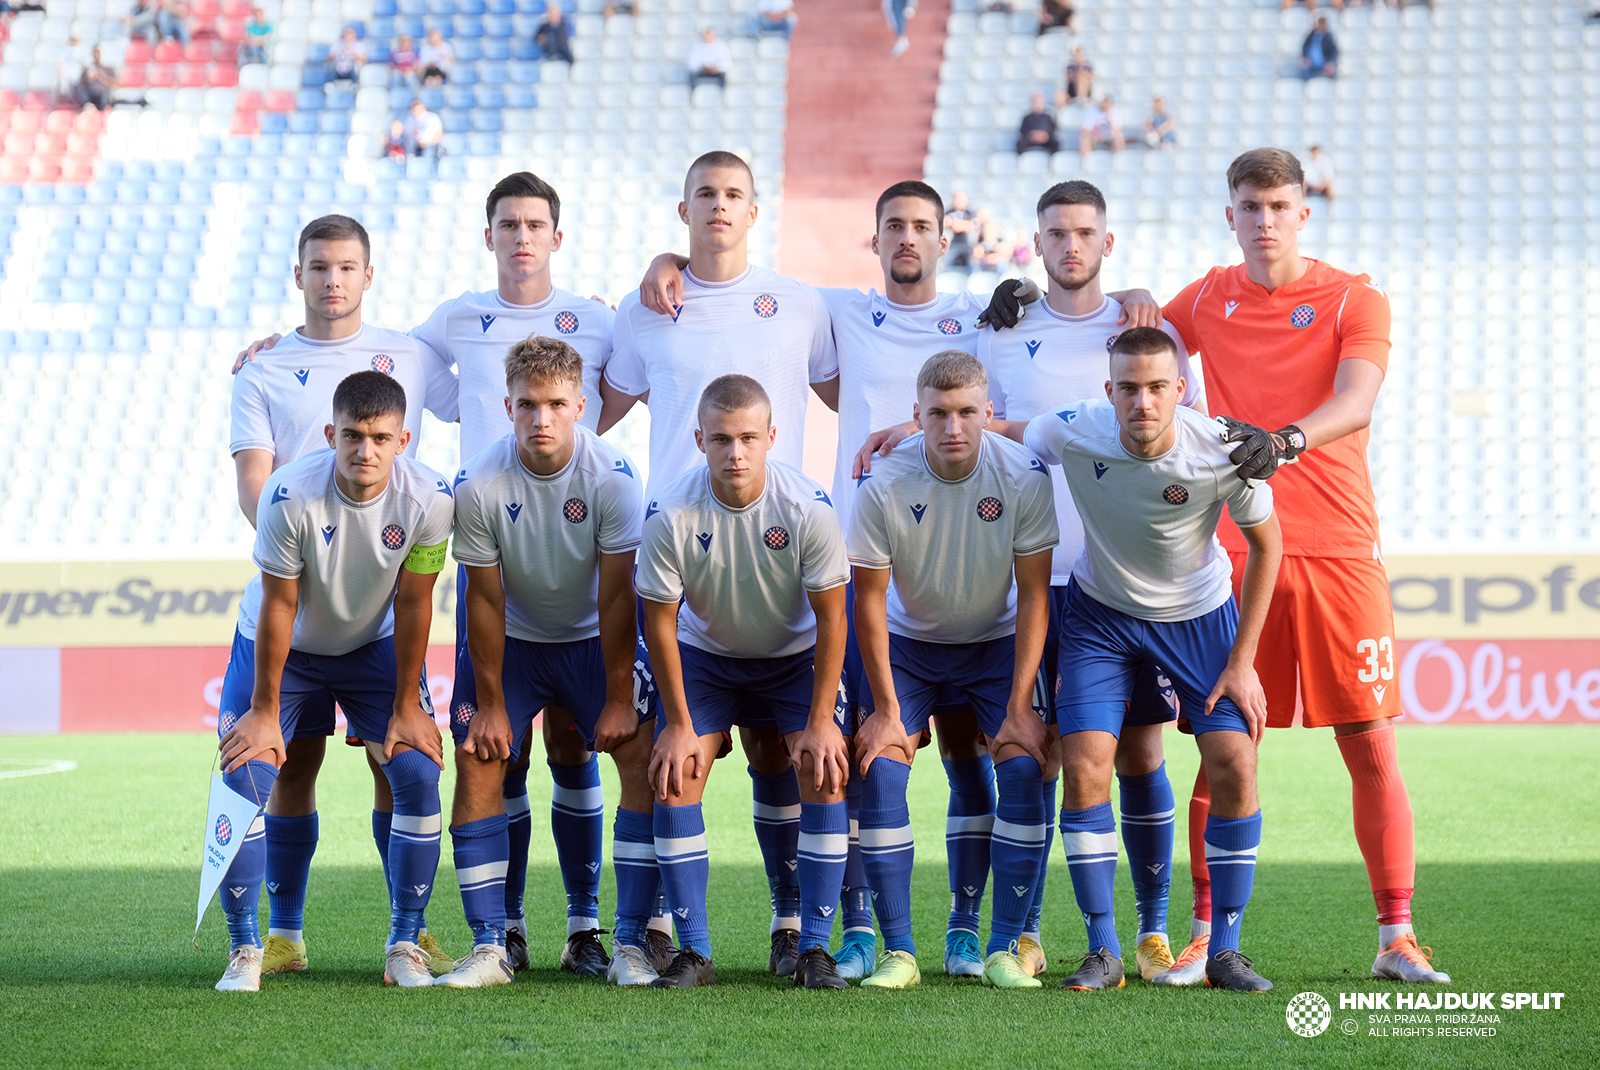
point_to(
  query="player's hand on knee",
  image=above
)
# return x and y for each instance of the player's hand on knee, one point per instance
(823, 749)
(411, 726)
(489, 734)
(1024, 729)
(1240, 683)
(1139, 309)
(617, 723)
(248, 353)
(256, 736)
(877, 734)
(675, 759)
(879, 444)
(662, 288)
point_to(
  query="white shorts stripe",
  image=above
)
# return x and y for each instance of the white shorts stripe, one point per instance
(417, 825)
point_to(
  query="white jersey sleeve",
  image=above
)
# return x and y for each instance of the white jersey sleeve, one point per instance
(620, 509)
(823, 561)
(443, 387)
(476, 542)
(626, 370)
(251, 415)
(278, 537)
(823, 362)
(658, 576)
(868, 545)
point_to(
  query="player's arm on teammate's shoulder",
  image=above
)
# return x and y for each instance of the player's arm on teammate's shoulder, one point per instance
(489, 731)
(661, 290)
(1139, 308)
(881, 444)
(1024, 731)
(1239, 680)
(258, 734)
(251, 469)
(248, 353)
(618, 721)
(410, 725)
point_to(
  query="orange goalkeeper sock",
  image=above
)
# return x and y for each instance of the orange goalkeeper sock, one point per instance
(1385, 827)
(1199, 810)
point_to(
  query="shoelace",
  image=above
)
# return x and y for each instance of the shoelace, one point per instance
(1191, 953)
(1412, 952)
(238, 960)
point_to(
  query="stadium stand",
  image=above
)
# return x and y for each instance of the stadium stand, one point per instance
(141, 248)
(1469, 188)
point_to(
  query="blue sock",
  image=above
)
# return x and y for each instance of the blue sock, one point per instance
(481, 853)
(291, 841)
(577, 821)
(1015, 846)
(241, 887)
(381, 822)
(680, 833)
(1089, 838)
(824, 843)
(633, 860)
(1147, 824)
(1036, 911)
(413, 841)
(966, 837)
(1231, 844)
(855, 896)
(519, 832)
(777, 819)
(887, 849)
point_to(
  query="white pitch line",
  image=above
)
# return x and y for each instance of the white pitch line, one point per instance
(40, 767)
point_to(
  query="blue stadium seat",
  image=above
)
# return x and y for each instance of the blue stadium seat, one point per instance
(492, 75)
(125, 219)
(201, 170)
(141, 292)
(144, 266)
(468, 50)
(47, 290)
(129, 339)
(83, 266)
(473, 7)
(325, 168)
(378, 50)
(178, 266)
(150, 241)
(384, 191)
(528, 49)
(294, 168)
(298, 143)
(95, 192)
(314, 76)
(456, 122)
(484, 144)
(359, 27)
(301, 122)
(166, 316)
(270, 290)
(263, 168)
(414, 8)
(124, 240)
(468, 28)
(163, 192)
(491, 95)
(446, 28)
(335, 122)
(108, 291)
(32, 341)
(520, 96)
(283, 227)
(169, 170)
(234, 316)
(65, 341)
(530, 7)
(432, 96)
(310, 99)
(502, 7)
(131, 191)
(465, 74)
(10, 195)
(108, 170)
(38, 193)
(497, 49)
(144, 170)
(104, 317)
(134, 315)
(274, 122)
(8, 339)
(385, 8)
(400, 98)
(460, 97)
(499, 26)
(69, 193)
(524, 73)
(231, 170)
(95, 219)
(487, 121)
(99, 339)
(77, 290)
(194, 191)
(172, 291)
(317, 52)
(330, 147)
(159, 219)
(411, 26)
(419, 169)
(199, 316)
(453, 167)
(191, 222)
(239, 289)
(340, 100)
(441, 8)
(350, 193)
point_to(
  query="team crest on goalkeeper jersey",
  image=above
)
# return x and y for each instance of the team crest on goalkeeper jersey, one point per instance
(566, 323)
(394, 536)
(1302, 316)
(766, 306)
(384, 363)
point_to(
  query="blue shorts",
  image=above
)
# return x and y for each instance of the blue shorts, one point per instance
(1153, 700)
(775, 693)
(361, 682)
(536, 675)
(1102, 651)
(927, 676)
(239, 686)
(858, 692)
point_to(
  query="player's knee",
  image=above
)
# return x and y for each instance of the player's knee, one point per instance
(764, 751)
(1139, 751)
(1230, 766)
(254, 780)
(413, 779)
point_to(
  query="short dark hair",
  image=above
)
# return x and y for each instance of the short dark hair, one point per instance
(1076, 191)
(719, 158)
(731, 393)
(368, 395)
(1265, 169)
(523, 184)
(909, 188)
(335, 228)
(1142, 341)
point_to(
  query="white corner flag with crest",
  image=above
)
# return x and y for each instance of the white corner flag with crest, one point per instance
(228, 820)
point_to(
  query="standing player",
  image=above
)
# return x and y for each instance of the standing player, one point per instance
(948, 517)
(732, 317)
(547, 522)
(1151, 584)
(349, 542)
(281, 405)
(1293, 344)
(754, 552)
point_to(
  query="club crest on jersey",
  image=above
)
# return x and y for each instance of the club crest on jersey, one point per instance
(279, 495)
(776, 538)
(384, 363)
(1176, 494)
(463, 712)
(766, 306)
(1228, 308)
(394, 536)
(226, 722)
(327, 534)
(513, 510)
(917, 511)
(484, 322)
(224, 830)
(622, 466)
(705, 541)
(1112, 341)
(566, 323)
(576, 510)
(303, 374)
(990, 509)
(878, 318)
(1033, 347)
(1302, 316)
(1100, 469)
(949, 326)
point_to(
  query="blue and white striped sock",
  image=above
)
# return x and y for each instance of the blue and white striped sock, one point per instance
(685, 866)
(633, 860)
(577, 821)
(1016, 845)
(482, 853)
(519, 833)
(1089, 838)
(888, 850)
(1036, 911)
(1231, 844)
(1147, 829)
(776, 799)
(824, 843)
(413, 841)
(968, 822)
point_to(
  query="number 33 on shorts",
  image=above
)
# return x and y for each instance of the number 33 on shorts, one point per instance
(1377, 666)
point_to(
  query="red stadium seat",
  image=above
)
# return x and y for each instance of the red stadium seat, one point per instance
(231, 30)
(44, 169)
(138, 51)
(169, 51)
(5, 123)
(47, 144)
(249, 100)
(8, 100)
(163, 75)
(223, 74)
(236, 9)
(13, 169)
(134, 76)
(246, 123)
(89, 121)
(226, 52)
(37, 100)
(82, 144)
(77, 169)
(198, 52)
(59, 121)
(280, 100)
(19, 143)
(206, 9)
(25, 122)
(204, 29)
(192, 75)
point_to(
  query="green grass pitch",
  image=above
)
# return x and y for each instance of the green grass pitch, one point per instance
(98, 871)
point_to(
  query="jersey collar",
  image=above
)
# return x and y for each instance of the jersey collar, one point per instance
(503, 303)
(516, 454)
(1106, 305)
(736, 280)
(983, 444)
(711, 492)
(327, 343)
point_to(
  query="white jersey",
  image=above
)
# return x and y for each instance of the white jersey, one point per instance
(743, 574)
(474, 332)
(949, 546)
(1051, 359)
(761, 324)
(347, 557)
(1150, 546)
(882, 346)
(547, 532)
(283, 399)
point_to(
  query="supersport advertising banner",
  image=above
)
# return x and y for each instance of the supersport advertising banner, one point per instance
(119, 646)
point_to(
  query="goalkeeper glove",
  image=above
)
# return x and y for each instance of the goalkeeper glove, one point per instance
(1260, 451)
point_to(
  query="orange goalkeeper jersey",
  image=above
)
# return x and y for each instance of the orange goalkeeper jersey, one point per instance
(1269, 359)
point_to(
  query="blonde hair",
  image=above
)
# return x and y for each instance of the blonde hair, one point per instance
(952, 369)
(733, 393)
(541, 359)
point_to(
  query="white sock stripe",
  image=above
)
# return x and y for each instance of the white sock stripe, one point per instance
(976, 824)
(680, 848)
(855, 829)
(476, 875)
(1089, 843)
(1022, 835)
(421, 837)
(578, 800)
(886, 839)
(825, 846)
(633, 853)
(1165, 817)
(417, 824)
(258, 827)
(517, 808)
(769, 814)
(1232, 860)
(1220, 854)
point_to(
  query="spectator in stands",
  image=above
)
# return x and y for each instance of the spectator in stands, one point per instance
(1103, 127)
(961, 224)
(435, 59)
(709, 60)
(1038, 128)
(402, 61)
(1021, 250)
(896, 12)
(394, 146)
(618, 7)
(1080, 76)
(423, 131)
(345, 61)
(1319, 174)
(1160, 129)
(990, 253)
(1054, 13)
(1337, 5)
(69, 67)
(774, 17)
(1319, 55)
(173, 19)
(141, 21)
(554, 33)
(257, 38)
(98, 83)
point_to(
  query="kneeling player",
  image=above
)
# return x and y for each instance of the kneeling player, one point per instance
(547, 523)
(1153, 584)
(947, 517)
(349, 542)
(754, 550)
